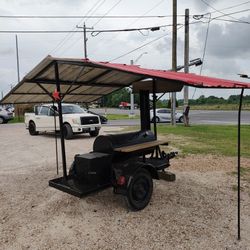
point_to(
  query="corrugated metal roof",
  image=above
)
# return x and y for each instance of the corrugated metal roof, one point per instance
(83, 80)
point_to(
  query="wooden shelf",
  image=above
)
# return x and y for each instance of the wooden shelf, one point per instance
(140, 146)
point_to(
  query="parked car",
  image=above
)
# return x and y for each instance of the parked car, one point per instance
(75, 120)
(103, 119)
(164, 115)
(5, 116)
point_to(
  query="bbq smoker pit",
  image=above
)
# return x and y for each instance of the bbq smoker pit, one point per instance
(116, 159)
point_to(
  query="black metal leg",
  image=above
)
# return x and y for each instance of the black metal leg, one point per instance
(61, 122)
(239, 125)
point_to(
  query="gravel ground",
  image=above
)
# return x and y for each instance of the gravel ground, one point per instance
(197, 211)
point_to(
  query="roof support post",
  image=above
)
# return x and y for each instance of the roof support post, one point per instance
(61, 122)
(239, 125)
(154, 107)
(144, 110)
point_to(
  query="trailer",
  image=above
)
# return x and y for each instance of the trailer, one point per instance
(127, 162)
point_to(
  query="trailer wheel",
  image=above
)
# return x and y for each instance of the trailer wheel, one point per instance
(32, 128)
(67, 131)
(140, 190)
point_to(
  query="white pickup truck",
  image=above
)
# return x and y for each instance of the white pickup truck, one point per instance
(75, 120)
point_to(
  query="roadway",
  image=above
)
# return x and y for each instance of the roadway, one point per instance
(218, 117)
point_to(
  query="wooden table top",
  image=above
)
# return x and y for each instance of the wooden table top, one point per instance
(140, 146)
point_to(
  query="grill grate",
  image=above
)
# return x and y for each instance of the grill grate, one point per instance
(89, 120)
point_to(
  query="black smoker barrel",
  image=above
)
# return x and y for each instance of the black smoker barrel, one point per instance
(93, 171)
(107, 143)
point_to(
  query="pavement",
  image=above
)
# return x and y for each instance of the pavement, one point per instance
(216, 117)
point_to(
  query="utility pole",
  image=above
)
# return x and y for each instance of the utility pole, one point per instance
(186, 63)
(17, 60)
(174, 59)
(85, 38)
(132, 99)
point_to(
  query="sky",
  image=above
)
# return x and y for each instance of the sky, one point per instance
(227, 50)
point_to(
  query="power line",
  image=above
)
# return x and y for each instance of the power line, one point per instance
(142, 46)
(232, 13)
(199, 17)
(69, 35)
(85, 19)
(133, 22)
(204, 49)
(230, 7)
(232, 21)
(89, 17)
(205, 44)
(87, 31)
(107, 12)
(209, 5)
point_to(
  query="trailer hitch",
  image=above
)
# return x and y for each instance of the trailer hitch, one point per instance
(169, 155)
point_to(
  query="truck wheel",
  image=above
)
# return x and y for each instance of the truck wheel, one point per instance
(94, 133)
(32, 128)
(140, 190)
(67, 131)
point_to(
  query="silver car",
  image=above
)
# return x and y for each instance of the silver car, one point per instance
(164, 115)
(5, 115)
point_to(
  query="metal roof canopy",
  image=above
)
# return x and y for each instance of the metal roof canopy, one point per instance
(82, 80)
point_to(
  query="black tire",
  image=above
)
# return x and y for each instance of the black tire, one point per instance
(2, 120)
(181, 119)
(94, 133)
(140, 190)
(32, 128)
(67, 131)
(157, 119)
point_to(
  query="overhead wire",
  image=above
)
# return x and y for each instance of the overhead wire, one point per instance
(96, 22)
(107, 13)
(87, 31)
(67, 37)
(142, 46)
(133, 22)
(209, 5)
(230, 7)
(204, 50)
(89, 17)
(218, 18)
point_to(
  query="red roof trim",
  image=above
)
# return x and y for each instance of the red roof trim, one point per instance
(187, 78)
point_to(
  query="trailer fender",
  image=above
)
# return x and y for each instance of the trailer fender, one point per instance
(152, 171)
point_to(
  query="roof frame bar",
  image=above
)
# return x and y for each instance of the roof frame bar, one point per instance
(92, 80)
(79, 94)
(66, 82)
(44, 69)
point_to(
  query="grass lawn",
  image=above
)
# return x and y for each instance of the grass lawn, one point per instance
(220, 107)
(120, 117)
(17, 119)
(207, 139)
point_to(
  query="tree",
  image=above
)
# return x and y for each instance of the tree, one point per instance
(114, 99)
